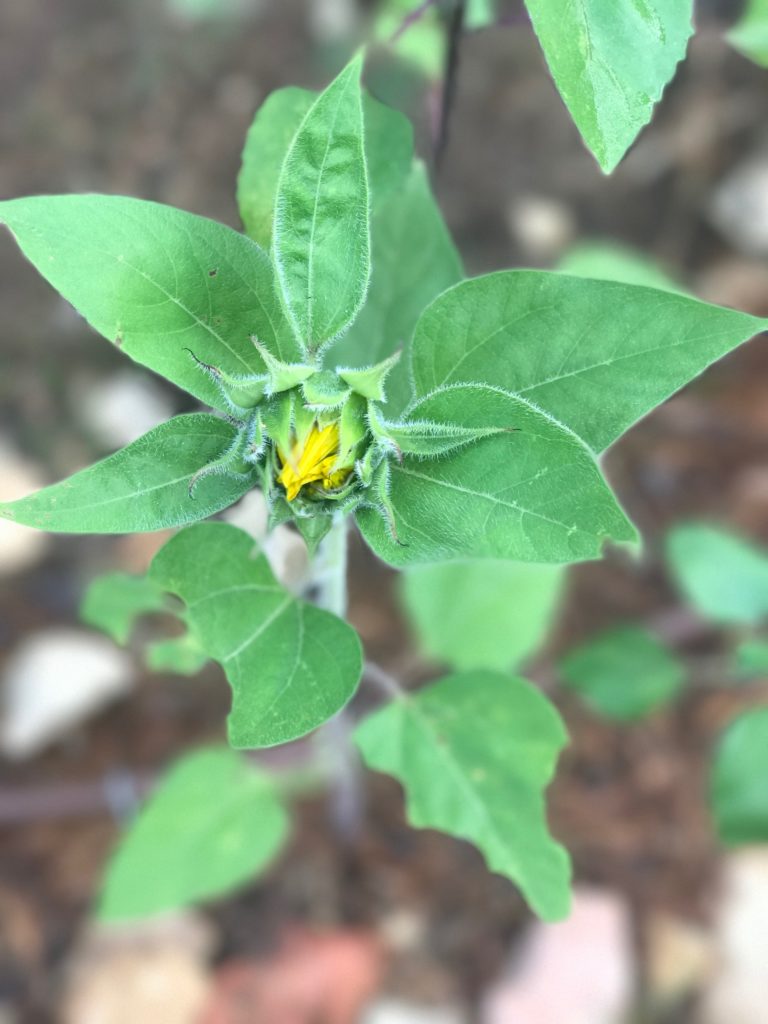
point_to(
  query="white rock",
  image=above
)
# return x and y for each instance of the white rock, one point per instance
(577, 972)
(740, 206)
(393, 1012)
(680, 958)
(739, 994)
(53, 681)
(331, 20)
(542, 227)
(20, 546)
(119, 409)
(152, 972)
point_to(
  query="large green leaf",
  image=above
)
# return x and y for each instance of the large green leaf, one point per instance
(388, 150)
(625, 673)
(750, 33)
(723, 577)
(291, 665)
(321, 237)
(413, 260)
(482, 614)
(740, 780)
(145, 486)
(596, 355)
(113, 603)
(532, 493)
(213, 822)
(611, 62)
(474, 753)
(157, 282)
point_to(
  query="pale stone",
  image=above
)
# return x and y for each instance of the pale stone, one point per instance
(740, 206)
(542, 227)
(577, 972)
(393, 1012)
(680, 957)
(53, 681)
(20, 546)
(151, 971)
(739, 992)
(122, 408)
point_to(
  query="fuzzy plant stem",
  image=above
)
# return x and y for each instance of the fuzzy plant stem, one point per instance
(329, 572)
(330, 593)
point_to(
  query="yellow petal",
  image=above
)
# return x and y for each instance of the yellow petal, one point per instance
(313, 462)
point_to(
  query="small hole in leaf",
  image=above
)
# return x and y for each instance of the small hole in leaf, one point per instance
(213, 272)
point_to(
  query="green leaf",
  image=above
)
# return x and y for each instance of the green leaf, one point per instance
(423, 42)
(625, 673)
(145, 486)
(266, 144)
(291, 665)
(533, 493)
(414, 260)
(480, 14)
(181, 655)
(321, 236)
(723, 577)
(112, 603)
(485, 614)
(157, 282)
(607, 261)
(739, 791)
(474, 753)
(388, 150)
(750, 34)
(751, 658)
(596, 355)
(212, 823)
(611, 62)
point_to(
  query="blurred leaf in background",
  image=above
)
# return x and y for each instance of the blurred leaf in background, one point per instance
(113, 602)
(609, 261)
(480, 14)
(181, 655)
(625, 673)
(750, 34)
(721, 575)
(751, 658)
(739, 789)
(422, 43)
(483, 614)
(211, 824)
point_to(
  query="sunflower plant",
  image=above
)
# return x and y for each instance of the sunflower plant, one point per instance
(354, 376)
